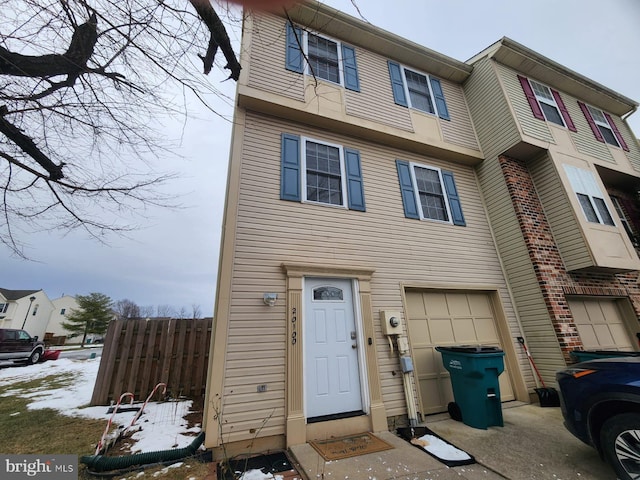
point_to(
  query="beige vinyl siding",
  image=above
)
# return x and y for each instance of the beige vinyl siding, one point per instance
(634, 149)
(267, 59)
(530, 305)
(374, 101)
(271, 231)
(528, 123)
(490, 110)
(459, 130)
(560, 214)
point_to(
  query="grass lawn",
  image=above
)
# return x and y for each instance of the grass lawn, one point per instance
(47, 431)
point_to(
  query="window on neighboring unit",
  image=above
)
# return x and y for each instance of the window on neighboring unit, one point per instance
(603, 126)
(546, 103)
(35, 310)
(417, 90)
(623, 218)
(589, 195)
(326, 58)
(429, 193)
(320, 172)
(4, 307)
(62, 310)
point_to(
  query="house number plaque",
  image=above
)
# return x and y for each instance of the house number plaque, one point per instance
(294, 320)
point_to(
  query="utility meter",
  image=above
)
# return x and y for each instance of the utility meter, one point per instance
(391, 322)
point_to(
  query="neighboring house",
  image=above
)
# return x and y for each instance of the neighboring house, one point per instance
(560, 181)
(63, 306)
(353, 198)
(25, 309)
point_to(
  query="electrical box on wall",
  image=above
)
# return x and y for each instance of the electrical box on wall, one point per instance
(391, 322)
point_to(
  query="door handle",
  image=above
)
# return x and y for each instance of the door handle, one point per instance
(355, 345)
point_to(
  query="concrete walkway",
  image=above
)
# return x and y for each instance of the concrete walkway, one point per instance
(532, 445)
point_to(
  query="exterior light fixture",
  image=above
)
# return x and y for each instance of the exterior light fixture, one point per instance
(29, 308)
(270, 299)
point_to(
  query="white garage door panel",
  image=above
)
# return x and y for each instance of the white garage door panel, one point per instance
(440, 319)
(600, 324)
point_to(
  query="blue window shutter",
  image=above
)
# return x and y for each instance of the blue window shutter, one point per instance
(355, 185)
(290, 168)
(294, 54)
(454, 199)
(351, 80)
(443, 111)
(397, 84)
(406, 189)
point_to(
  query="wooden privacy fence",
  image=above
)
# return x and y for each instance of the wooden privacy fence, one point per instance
(138, 354)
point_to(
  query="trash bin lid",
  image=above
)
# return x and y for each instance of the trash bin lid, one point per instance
(469, 349)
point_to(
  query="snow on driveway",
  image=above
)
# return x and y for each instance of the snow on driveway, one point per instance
(163, 424)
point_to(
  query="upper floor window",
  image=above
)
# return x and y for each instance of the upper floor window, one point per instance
(589, 195)
(624, 220)
(603, 126)
(322, 57)
(62, 310)
(320, 172)
(417, 90)
(546, 103)
(4, 307)
(429, 193)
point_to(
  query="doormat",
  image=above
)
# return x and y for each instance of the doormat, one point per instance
(350, 446)
(268, 463)
(436, 446)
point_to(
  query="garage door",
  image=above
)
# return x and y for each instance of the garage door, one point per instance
(441, 319)
(600, 323)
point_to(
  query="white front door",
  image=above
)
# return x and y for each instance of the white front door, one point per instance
(332, 373)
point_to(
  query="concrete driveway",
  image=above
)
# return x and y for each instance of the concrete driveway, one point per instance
(533, 444)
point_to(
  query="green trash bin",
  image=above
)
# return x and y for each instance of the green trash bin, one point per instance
(474, 373)
(585, 355)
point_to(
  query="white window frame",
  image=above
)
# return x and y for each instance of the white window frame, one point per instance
(303, 173)
(603, 122)
(4, 307)
(416, 194)
(584, 182)
(407, 95)
(623, 219)
(547, 101)
(307, 67)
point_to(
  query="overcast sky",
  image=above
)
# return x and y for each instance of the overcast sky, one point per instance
(173, 258)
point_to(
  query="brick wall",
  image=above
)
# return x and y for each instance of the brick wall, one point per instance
(553, 278)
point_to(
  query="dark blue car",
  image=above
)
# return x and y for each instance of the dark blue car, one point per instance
(600, 401)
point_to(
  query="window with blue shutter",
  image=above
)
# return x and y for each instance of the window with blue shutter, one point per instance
(351, 80)
(429, 193)
(294, 53)
(417, 90)
(320, 172)
(290, 168)
(321, 56)
(397, 84)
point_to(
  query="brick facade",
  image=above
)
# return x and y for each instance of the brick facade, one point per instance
(553, 278)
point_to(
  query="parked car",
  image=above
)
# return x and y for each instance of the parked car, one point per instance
(19, 346)
(600, 402)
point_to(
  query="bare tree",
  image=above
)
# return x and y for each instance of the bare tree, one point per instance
(81, 85)
(196, 311)
(146, 311)
(165, 311)
(126, 309)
